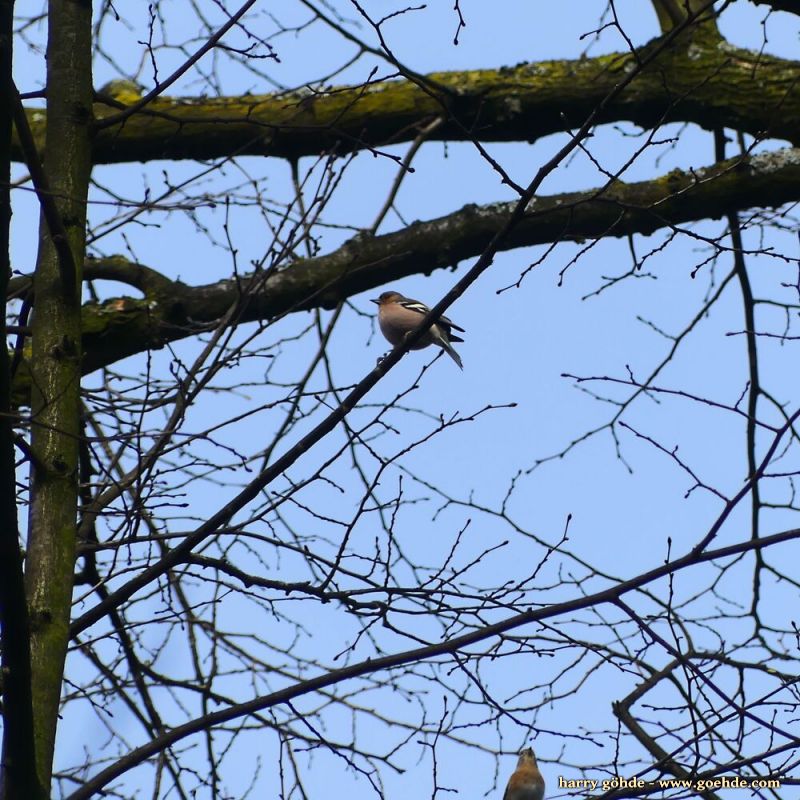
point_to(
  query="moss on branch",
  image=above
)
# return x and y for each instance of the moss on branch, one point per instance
(171, 310)
(703, 80)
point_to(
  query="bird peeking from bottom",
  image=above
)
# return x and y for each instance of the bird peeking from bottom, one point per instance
(526, 783)
(398, 316)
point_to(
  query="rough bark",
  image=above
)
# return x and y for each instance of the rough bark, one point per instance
(171, 310)
(55, 366)
(705, 81)
(672, 12)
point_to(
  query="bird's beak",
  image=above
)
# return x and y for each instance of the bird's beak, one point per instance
(375, 300)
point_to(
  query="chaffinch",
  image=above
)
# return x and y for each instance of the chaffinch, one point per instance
(398, 316)
(526, 783)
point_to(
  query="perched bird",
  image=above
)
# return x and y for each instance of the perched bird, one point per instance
(527, 782)
(398, 316)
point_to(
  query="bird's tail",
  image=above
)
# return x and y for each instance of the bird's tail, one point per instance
(452, 353)
(442, 338)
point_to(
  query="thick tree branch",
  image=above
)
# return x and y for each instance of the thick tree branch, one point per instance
(171, 310)
(792, 6)
(672, 12)
(707, 82)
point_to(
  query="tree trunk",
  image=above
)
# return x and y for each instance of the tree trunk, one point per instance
(55, 363)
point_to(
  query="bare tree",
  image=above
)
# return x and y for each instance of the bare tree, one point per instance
(238, 556)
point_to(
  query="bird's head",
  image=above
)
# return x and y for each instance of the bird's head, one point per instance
(387, 297)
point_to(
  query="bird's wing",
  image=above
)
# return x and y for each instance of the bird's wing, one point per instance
(450, 324)
(421, 308)
(414, 305)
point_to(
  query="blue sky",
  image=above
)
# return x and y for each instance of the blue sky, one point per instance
(520, 343)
